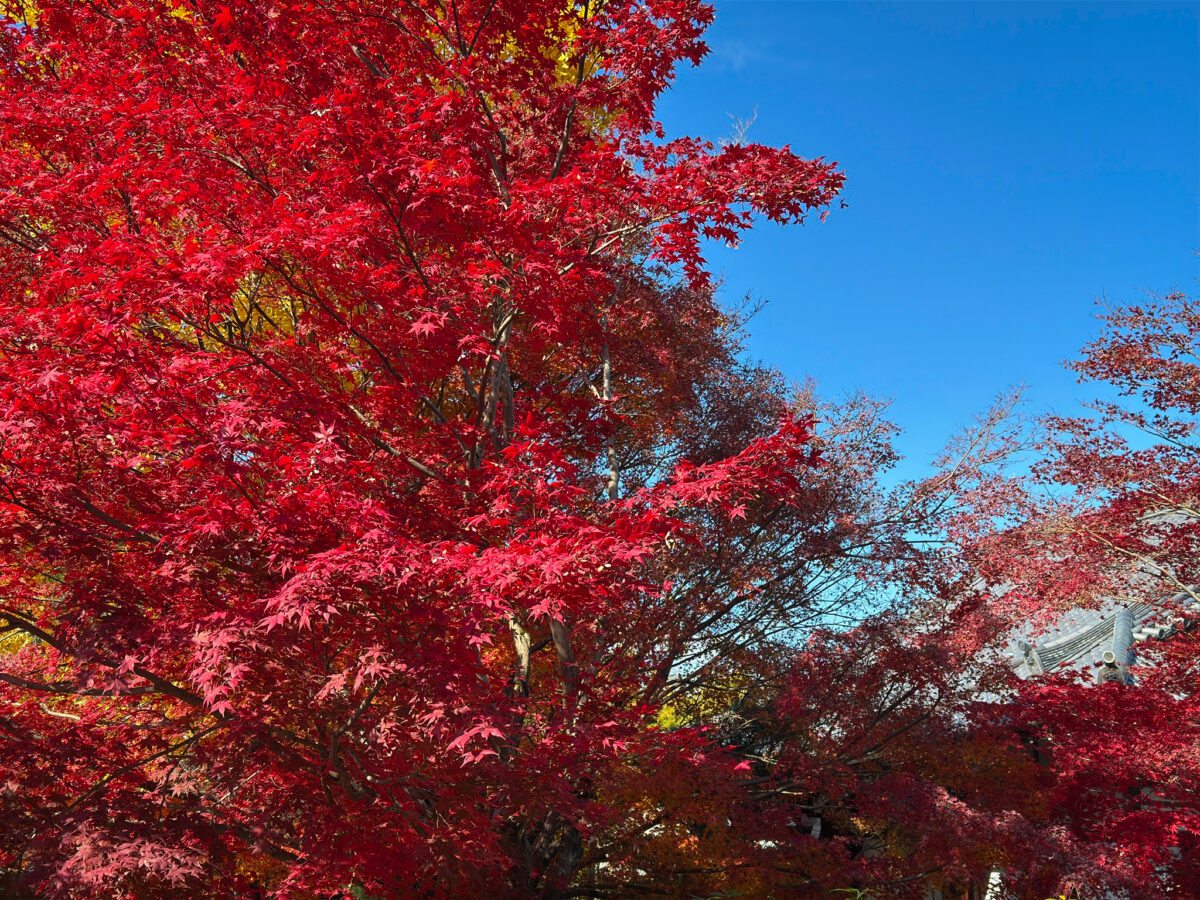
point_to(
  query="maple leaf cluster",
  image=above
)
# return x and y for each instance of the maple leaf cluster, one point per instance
(351, 355)
(387, 508)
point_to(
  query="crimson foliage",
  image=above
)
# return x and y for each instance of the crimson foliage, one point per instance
(351, 355)
(386, 507)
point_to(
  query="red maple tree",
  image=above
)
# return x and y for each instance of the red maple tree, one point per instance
(360, 377)
(1119, 524)
(1069, 784)
(386, 506)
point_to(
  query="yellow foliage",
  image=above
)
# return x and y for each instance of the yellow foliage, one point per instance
(668, 719)
(20, 11)
(179, 11)
(13, 641)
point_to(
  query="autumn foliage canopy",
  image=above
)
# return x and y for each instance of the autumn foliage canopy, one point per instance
(387, 508)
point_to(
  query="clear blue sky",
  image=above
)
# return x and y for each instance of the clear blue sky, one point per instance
(1007, 164)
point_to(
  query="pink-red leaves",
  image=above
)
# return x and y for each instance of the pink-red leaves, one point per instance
(317, 327)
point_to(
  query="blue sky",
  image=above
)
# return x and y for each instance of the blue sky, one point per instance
(1007, 165)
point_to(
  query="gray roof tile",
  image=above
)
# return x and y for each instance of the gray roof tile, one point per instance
(1077, 639)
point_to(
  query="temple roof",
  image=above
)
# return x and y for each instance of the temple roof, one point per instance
(1079, 638)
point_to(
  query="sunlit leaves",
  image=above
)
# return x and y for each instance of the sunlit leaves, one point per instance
(307, 311)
